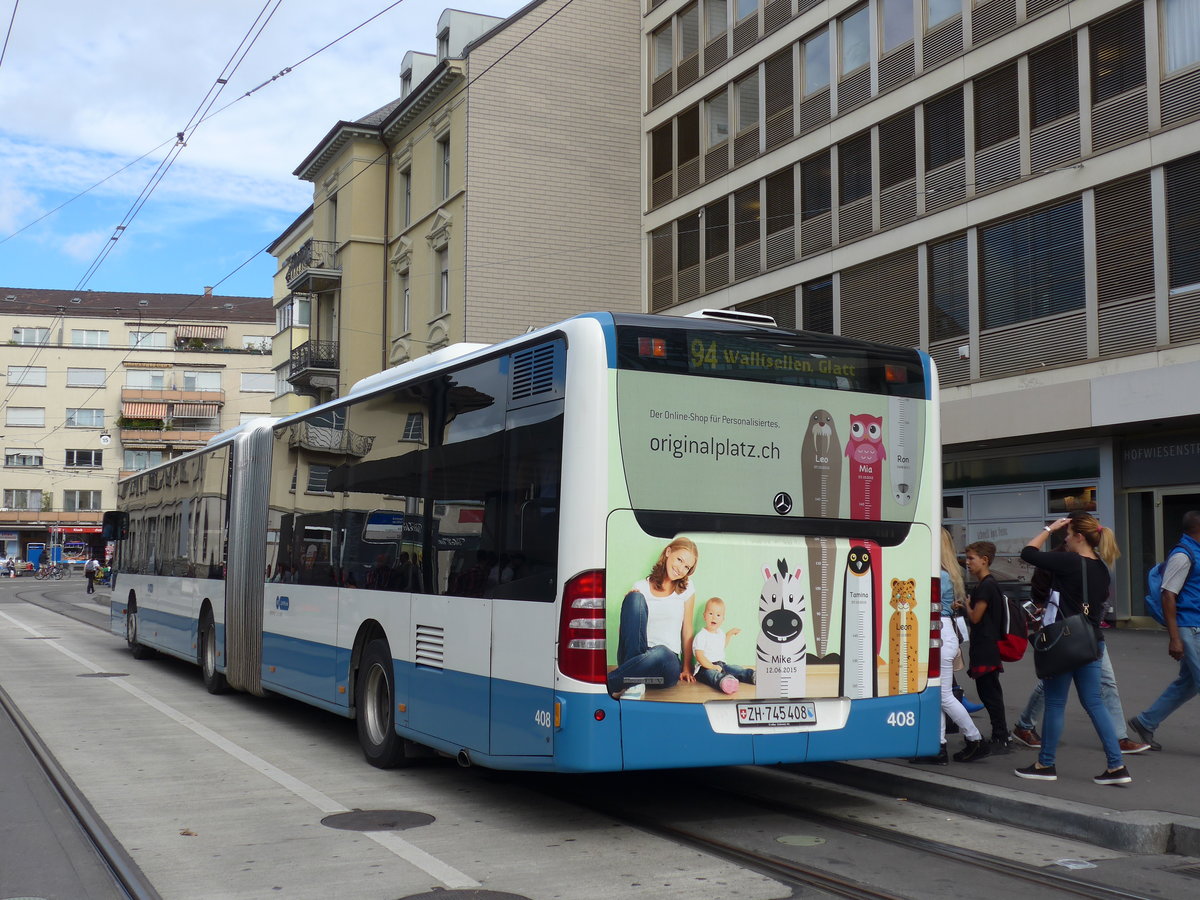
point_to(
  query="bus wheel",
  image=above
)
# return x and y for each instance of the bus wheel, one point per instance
(131, 634)
(375, 699)
(214, 681)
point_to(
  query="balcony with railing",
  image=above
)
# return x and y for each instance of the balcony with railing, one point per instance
(324, 439)
(314, 268)
(314, 364)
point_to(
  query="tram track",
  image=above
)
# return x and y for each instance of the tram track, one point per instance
(757, 791)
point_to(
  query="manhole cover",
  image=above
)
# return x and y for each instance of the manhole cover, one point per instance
(103, 675)
(377, 820)
(465, 895)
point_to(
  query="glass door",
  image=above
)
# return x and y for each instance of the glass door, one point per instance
(1154, 528)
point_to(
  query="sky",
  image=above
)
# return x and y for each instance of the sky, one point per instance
(88, 89)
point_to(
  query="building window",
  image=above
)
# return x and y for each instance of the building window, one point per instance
(302, 311)
(414, 427)
(148, 379)
(405, 305)
(85, 459)
(781, 201)
(147, 339)
(716, 18)
(816, 62)
(1181, 34)
(282, 385)
(85, 418)
(895, 24)
(1118, 54)
(202, 381)
(443, 282)
(997, 117)
(31, 336)
(855, 34)
(1183, 224)
(23, 499)
(816, 301)
(746, 8)
(944, 130)
(816, 193)
(747, 101)
(27, 376)
(1053, 82)
(444, 151)
(689, 31)
(23, 459)
(897, 150)
(81, 501)
(81, 337)
(854, 168)
(443, 45)
(318, 479)
(716, 229)
(256, 343)
(136, 460)
(938, 11)
(662, 41)
(687, 136)
(25, 416)
(406, 187)
(716, 110)
(949, 290)
(86, 377)
(1032, 266)
(258, 382)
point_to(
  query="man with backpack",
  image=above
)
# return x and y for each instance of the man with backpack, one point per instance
(1180, 595)
(90, 568)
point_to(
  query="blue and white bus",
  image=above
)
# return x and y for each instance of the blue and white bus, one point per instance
(457, 552)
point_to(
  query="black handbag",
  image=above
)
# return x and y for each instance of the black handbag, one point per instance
(1066, 644)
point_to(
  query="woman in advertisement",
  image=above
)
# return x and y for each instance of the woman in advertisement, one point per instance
(656, 631)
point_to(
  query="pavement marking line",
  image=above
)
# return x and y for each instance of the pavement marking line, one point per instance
(390, 841)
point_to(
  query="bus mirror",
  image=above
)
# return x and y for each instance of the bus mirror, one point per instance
(116, 526)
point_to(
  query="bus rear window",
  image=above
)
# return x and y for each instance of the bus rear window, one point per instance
(777, 357)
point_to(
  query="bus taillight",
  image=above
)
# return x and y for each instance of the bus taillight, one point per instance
(935, 632)
(581, 646)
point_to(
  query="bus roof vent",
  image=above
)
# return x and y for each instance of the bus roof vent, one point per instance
(734, 315)
(537, 374)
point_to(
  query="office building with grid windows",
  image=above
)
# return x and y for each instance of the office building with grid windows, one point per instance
(1010, 185)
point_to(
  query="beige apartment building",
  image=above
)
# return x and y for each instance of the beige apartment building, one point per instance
(498, 192)
(1010, 185)
(100, 384)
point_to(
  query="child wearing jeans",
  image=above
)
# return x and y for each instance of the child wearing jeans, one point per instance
(709, 649)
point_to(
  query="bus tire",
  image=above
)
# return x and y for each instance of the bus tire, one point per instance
(131, 634)
(375, 702)
(214, 681)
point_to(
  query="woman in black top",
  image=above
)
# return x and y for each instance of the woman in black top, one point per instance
(985, 612)
(1092, 550)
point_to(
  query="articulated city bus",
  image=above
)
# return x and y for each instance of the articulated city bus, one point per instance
(620, 542)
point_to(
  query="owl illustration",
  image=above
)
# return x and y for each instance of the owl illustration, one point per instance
(781, 648)
(859, 674)
(866, 453)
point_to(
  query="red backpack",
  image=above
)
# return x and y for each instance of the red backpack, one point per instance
(1014, 639)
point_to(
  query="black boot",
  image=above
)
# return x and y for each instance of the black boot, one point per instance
(1001, 744)
(973, 750)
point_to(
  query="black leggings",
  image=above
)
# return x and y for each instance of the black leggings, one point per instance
(991, 695)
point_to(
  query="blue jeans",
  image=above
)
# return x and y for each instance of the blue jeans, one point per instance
(1087, 685)
(1183, 688)
(637, 663)
(1108, 693)
(712, 677)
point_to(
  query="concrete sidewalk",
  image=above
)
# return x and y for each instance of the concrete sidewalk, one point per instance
(1157, 813)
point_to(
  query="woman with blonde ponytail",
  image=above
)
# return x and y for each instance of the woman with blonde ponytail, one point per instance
(1083, 580)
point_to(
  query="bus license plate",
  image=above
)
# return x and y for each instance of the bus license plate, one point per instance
(756, 715)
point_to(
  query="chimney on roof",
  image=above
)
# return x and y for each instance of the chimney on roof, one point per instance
(208, 290)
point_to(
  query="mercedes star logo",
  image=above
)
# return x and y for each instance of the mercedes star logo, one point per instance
(782, 503)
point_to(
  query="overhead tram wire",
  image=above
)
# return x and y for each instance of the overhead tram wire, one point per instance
(286, 70)
(8, 33)
(210, 98)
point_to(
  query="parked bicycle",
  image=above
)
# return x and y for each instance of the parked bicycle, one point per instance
(52, 571)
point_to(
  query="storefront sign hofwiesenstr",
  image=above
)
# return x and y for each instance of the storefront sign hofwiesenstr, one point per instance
(1165, 461)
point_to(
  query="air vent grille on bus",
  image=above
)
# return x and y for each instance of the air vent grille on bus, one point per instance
(431, 646)
(536, 372)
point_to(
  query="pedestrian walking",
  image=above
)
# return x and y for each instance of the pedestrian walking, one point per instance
(1181, 614)
(985, 611)
(90, 568)
(1081, 573)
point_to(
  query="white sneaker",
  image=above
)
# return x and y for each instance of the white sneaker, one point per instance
(636, 692)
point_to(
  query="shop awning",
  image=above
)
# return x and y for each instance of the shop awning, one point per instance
(195, 410)
(206, 332)
(144, 410)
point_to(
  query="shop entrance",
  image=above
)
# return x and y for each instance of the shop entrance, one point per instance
(1154, 528)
